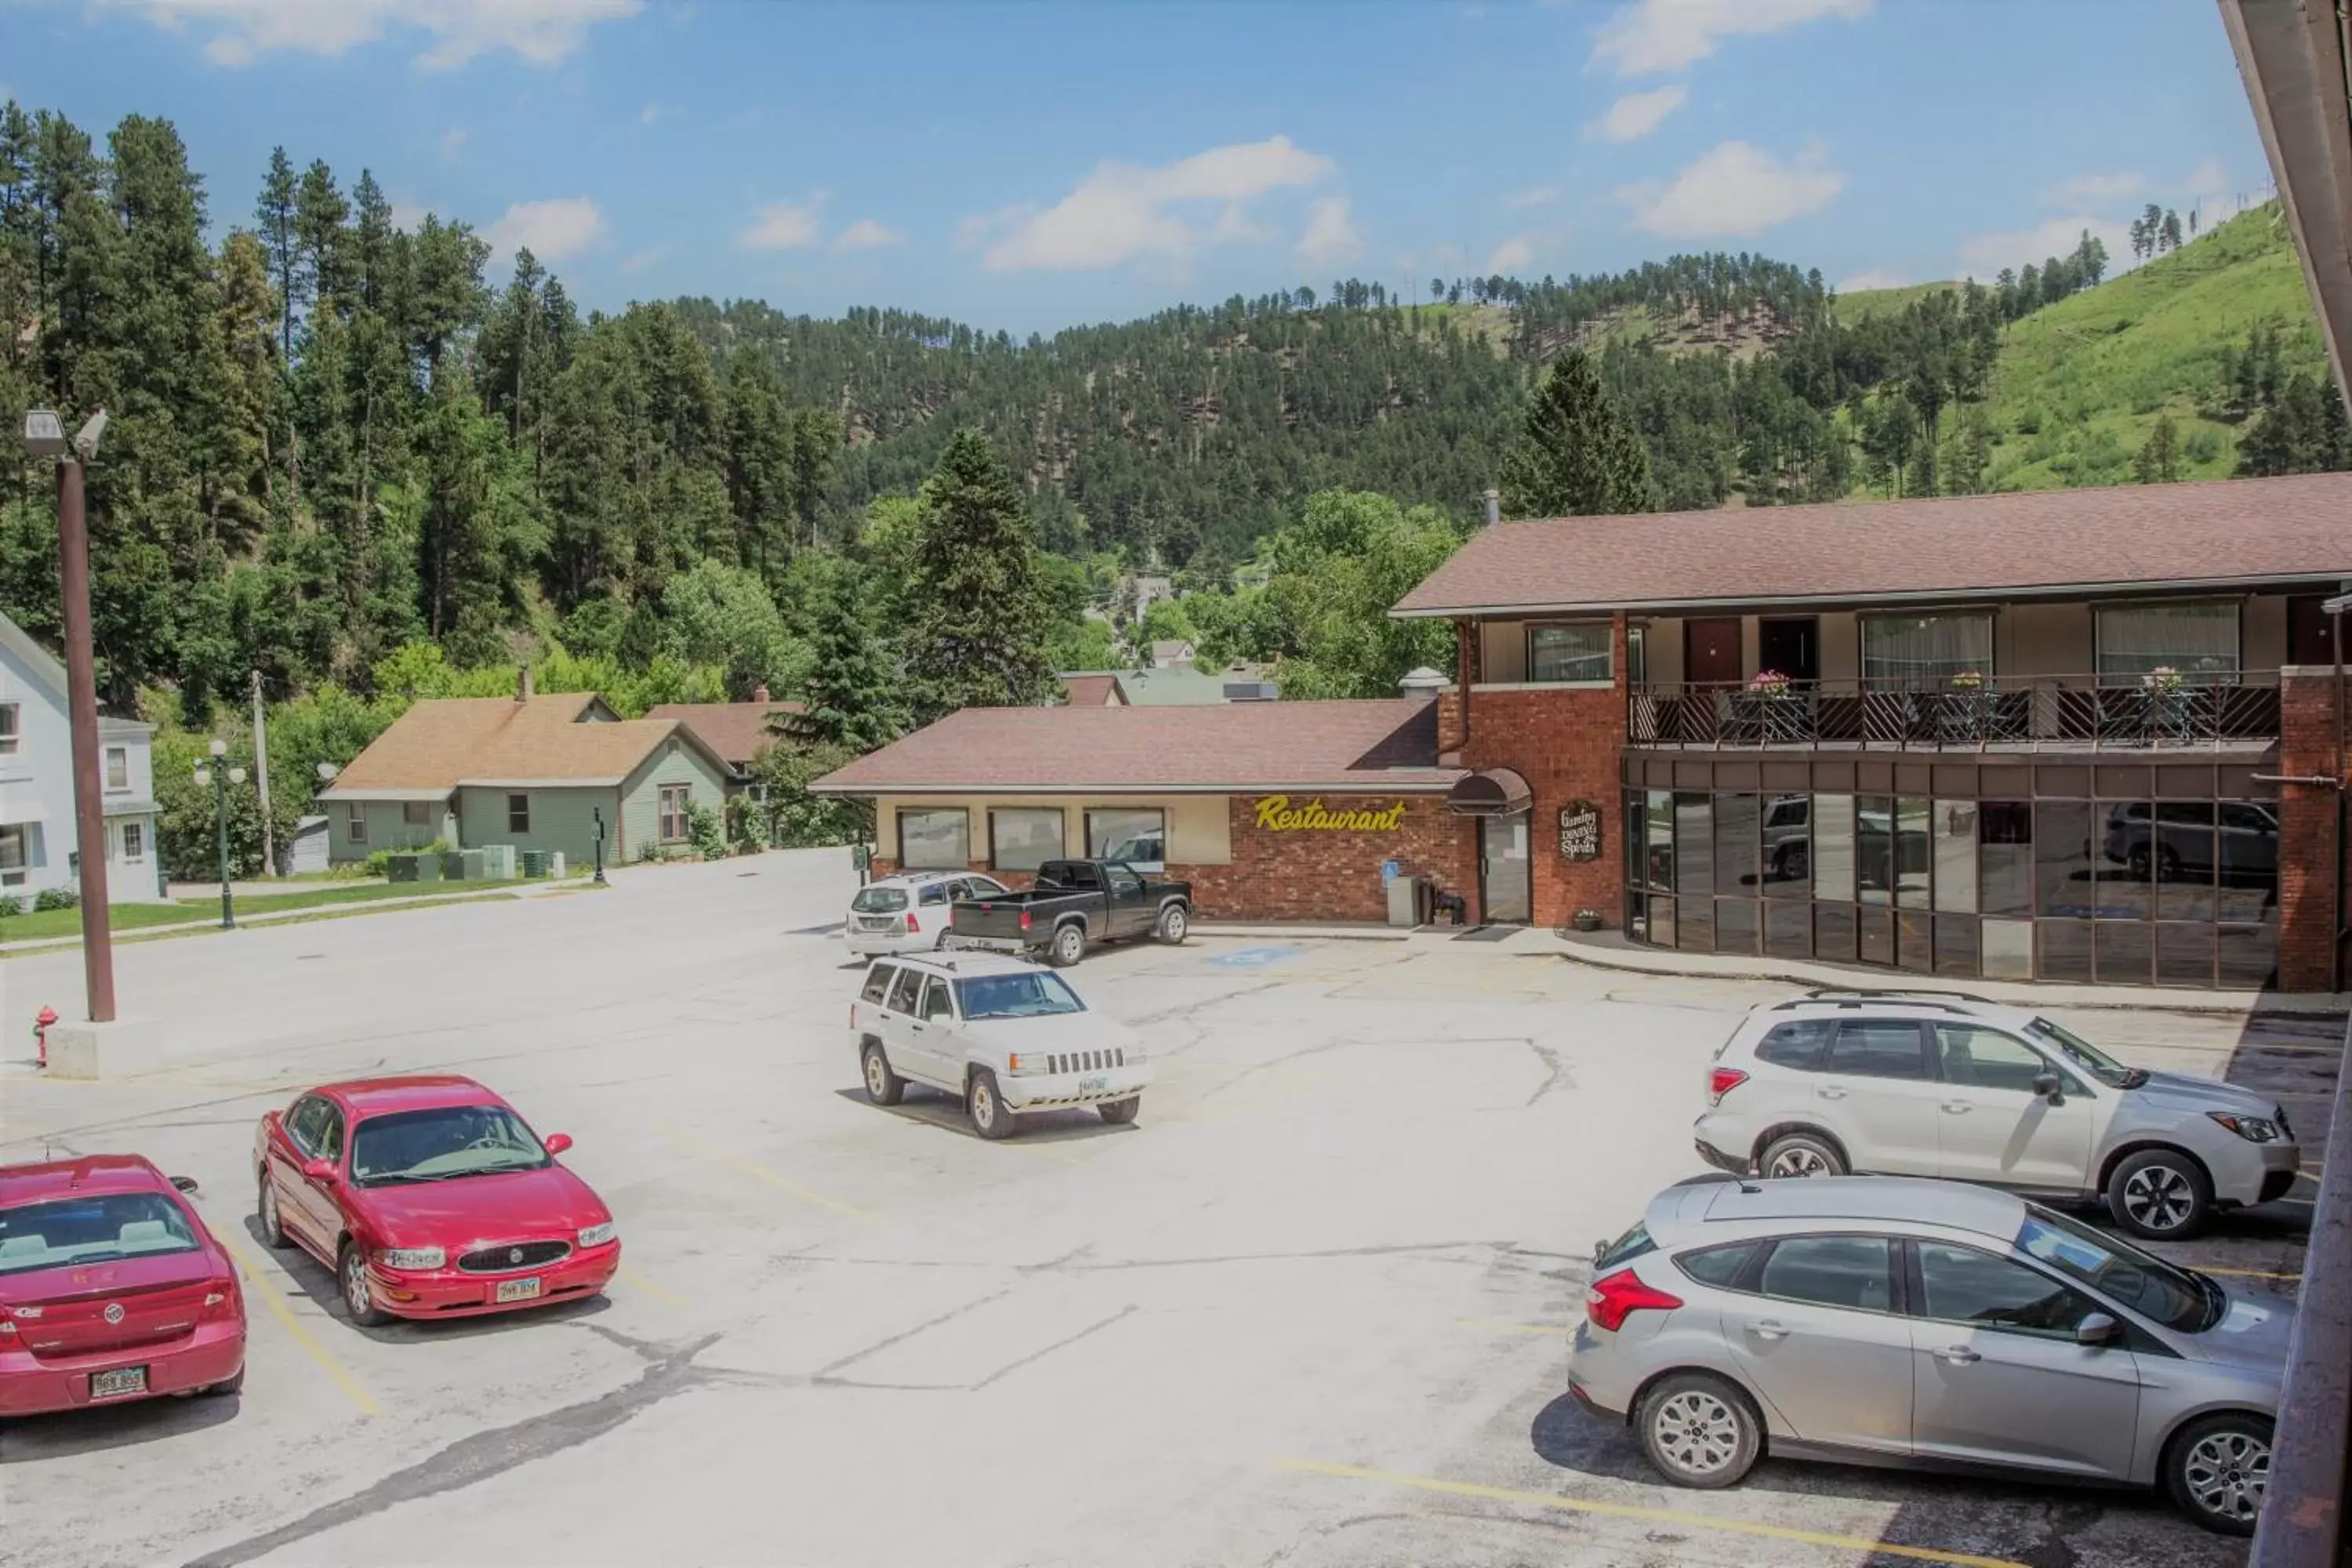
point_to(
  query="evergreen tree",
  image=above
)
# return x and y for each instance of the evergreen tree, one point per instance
(975, 636)
(2171, 230)
(2158, 461)
(273, 215)
(851, 693)
(1576, 457)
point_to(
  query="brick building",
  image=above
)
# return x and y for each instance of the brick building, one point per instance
(2080, 735)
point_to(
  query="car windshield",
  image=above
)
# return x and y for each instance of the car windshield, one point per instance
(2087, 1056)
(94, 1229)
(1016, 996)
(2178, 1297)
(879, 900)
(445, 1141)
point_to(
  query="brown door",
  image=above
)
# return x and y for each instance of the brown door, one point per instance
(1791, 645)
(2309, 633)
(1712, 652)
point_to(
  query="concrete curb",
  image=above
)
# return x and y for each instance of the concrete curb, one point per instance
(271, 917)
(1303, 932)
(1626, 960)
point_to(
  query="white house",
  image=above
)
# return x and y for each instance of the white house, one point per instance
(36, 797)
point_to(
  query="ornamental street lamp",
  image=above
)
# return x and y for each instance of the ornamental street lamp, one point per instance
(220, 778)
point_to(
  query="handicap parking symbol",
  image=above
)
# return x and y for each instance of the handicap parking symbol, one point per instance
(1253, 957)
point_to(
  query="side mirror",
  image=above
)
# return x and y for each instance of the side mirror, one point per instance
(2097, 1328)
(2050, 1087)
(183, 1184)
(319, 1169)
(556, 1142)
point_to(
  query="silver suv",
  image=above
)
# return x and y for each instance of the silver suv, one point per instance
(1928, 1323)
(1914, 1085)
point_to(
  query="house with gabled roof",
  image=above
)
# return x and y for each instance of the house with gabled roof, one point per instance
(38, 845)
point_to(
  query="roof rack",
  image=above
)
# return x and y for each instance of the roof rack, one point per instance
(1932, 994)
(1953, 1002)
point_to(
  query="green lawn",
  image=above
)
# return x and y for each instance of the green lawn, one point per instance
(1864, 303)
(42, 923)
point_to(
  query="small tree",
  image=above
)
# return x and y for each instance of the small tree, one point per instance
(1576, 456)
(2158, 461)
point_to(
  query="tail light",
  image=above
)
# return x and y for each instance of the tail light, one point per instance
(1024, 920)
(1610, 1301)
(1721, 1081)
(220, 1299)
(912, 923)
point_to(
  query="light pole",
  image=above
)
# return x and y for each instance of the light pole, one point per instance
(45, 438)
(220, 778)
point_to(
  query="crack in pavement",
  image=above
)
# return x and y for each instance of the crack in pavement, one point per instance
(824, 1373)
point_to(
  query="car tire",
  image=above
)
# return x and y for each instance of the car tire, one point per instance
(1699, 1430)
(2161, 1194)
(1800, 1154)
(359, 1296)
(273, 1228)
(2217, 1470)
(1119, 1112)
(883, 1087)
(990, 1116)
(222, 1389)
(1174, 922)
(1068, 946)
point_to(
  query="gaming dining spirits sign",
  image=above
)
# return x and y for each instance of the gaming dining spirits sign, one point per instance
(1579, 830)
(1276, 814)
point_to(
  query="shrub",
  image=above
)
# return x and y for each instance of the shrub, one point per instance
(56, 899)
(705, 831)
(10, 904)
(378, 863)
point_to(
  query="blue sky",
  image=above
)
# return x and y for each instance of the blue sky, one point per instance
(1031, 165)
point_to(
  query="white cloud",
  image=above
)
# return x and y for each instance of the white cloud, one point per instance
(1987, 254)
(645, 258)
(552, 230)
(866, 233)
(1533, 196)
(1877, 278)
(1738, 188)
(407, 216)
(653, 113)
(452, 140)
(1330, 238)
(1638, 113)
(542, 32)
(2207, 176)
(1653, 36)
(1124, 211)
(2096, 190)
(1512, 255)
(782, 226)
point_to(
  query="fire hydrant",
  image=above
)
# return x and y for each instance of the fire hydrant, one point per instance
(41, 1022)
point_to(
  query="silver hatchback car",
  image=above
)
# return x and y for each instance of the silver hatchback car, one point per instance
(1888, 1321)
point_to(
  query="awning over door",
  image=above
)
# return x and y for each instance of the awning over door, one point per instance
(1497, 792)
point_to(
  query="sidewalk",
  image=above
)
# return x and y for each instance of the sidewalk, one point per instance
(1610, 950)
(458, 892)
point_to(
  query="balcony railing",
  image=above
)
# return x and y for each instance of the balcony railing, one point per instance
(2038, 712)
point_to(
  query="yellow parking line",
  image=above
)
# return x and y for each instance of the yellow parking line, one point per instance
(2244, 1273)
(760, 1173)
(661, 1293)
(1653, 1515)
(1497, 1325)
(275, 1302)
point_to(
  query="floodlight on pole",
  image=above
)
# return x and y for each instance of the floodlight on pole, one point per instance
(45, 435)
(86, 439)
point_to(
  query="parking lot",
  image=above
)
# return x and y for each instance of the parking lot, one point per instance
(1312, 1310)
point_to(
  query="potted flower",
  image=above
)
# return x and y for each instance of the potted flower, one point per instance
(2168, 700)
(1768, 683)
(1969, 680)
(1585, 919)
(2164, 681)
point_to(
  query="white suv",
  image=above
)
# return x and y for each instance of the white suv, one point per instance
(908, 913)
(1001, 1034)
(1915, 1085)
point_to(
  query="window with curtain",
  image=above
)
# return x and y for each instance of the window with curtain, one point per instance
(1922, 653)
(1139, 837)
(1022, 838)
(938, 840)
(1578, 651)
(2200, 642)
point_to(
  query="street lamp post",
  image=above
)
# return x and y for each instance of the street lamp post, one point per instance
(220, 778)
(45, 438)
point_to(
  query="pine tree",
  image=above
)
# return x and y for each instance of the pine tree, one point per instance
(976, 637)
(2171, 230)
(851, 695)
(274, 214)
(1576, 457)
(2158, 461)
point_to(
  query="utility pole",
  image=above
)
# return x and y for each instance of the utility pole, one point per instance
(261, 779)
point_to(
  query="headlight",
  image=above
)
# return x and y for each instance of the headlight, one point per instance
(2252, 1129)
(411, 1257)
(1028, 1062)
(596, 1235)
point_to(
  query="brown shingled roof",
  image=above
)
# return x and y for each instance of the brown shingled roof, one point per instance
(1380, 746)
(736, 730)
(2212, 532)
(442, 742)
(1091, 691)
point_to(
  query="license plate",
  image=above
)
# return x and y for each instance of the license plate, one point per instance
(122, 1381)
(1093, 1085)
(517, 1290)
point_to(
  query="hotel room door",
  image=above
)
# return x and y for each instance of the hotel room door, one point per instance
(1504, 897)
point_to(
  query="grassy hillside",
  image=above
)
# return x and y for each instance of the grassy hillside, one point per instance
(2079, 383)
(1864, 303)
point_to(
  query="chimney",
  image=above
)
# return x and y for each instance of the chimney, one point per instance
(1494, 508)
(1422, 682)
(523, 692)
(760, 692)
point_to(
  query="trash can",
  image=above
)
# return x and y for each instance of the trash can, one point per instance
(555, 863)
(533, 863)
(453, 865)
(1407, 900)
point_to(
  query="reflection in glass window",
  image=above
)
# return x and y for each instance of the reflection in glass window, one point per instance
(1851, 1271)
(1736, 818)
(1912, 857)
(1695, 869)
(2247, 957)
(2247, 833)
(1659, 841)
(1139, 837)
(1956, 856)
(2122, 867)
(1735, 925)
(935, 840)
(1875, 848)
(1022, 838)
(1833, 932)
(1922, 653)
(2061, 858)
(1787, 846)
(2184, 955)
(2005, 828)
(2180, 856)
(1965, 1286)
(2008, 949)
(1833, 849)
(2064, 950)
(2196, 642)
(1578, 651)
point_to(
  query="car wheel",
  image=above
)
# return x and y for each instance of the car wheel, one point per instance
(1792, 863)
(1700, 1431)
(990, 1116)
(1802, 1154)
(359, 1297)
(2218, 1471)
(273, 1228)
(1173, 923)
(1069, 945)
(1119, 1112)
(883, 1087)
(2161, 1193)
(222, 1389)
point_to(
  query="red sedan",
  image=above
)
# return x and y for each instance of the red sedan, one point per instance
(430, 1197)
(111, 1289)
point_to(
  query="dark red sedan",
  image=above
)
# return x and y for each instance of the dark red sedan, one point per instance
(110, 1289)
(430, 1197)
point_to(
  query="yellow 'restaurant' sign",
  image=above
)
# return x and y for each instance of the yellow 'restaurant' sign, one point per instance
(1276, 814)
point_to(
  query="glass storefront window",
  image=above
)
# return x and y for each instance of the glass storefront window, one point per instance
(1833, 932)
(1876, 929)
(2061, 861)
(1875, 847)
(1914, 861)
(1956, 856)
(1695, 869)
(1659, 841)
(2121, 952)
(1661, 921)
(2064, 950)
(2184, 955)
(1956, 944)
(1788, 930)
(1139, 837)
(2180, 854)
(2008, 949)
(2248, 957)
(2121, 865)
(1787, 846)
(1735, 817)
(1578, 651)
(1833, 847)
(1735, 926)
(1915, 944)
(2005, 828)
(935, 840)
(2247, 833)
(1022, 838)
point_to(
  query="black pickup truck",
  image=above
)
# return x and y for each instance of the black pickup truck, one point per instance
(1075, 904)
